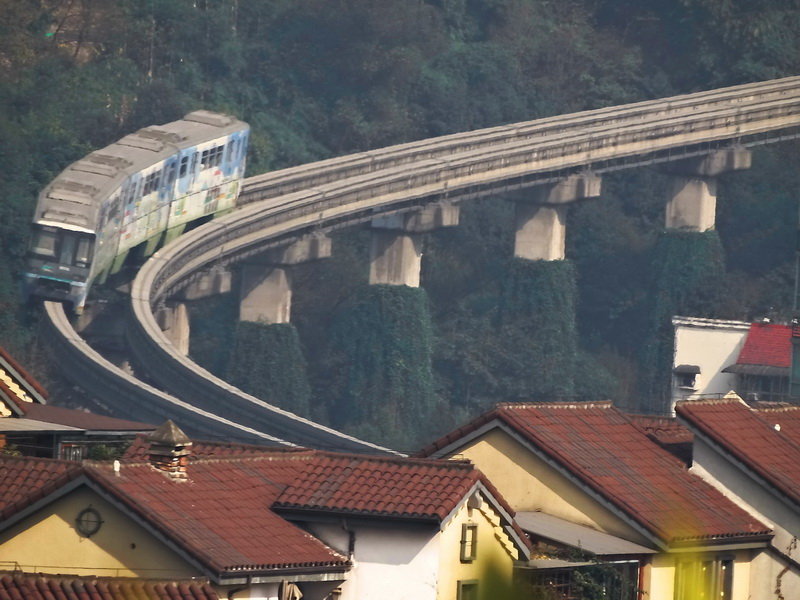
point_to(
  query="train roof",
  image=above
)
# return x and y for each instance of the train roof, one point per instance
(74, 197)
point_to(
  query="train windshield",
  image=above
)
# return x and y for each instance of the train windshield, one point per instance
(65, 247)
(45, 241)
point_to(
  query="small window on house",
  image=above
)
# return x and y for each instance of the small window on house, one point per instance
(686, 376)
(467, 590)
(469, 542)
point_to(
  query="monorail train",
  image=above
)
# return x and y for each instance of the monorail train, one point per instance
(142, 190)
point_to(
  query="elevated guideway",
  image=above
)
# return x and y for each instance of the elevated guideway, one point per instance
(279, 208)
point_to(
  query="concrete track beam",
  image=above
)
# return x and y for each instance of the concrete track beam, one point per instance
(211, 283)
(541, 221)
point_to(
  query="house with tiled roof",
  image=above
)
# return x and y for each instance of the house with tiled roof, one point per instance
(715, 356)
(752, 455)
(261, 522)
(31, 426)
(564, 466)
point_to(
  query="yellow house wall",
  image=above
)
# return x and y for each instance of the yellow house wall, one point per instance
(530, 484)
(660, 576)
(494, 563)
(48, 542)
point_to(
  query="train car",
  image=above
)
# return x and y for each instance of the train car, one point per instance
(140, 191)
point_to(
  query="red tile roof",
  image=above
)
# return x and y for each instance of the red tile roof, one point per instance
(222, 515)
(785, 415)
(405, 488)
(80, 419)
(19, 586)
(139, 448)
(607, 453)
(768, 345)
(750, 437)
(25, 480)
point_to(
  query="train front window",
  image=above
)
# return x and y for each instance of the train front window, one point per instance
(44, 243)
(83, 254)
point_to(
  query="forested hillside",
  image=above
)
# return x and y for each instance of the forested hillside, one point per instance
(318, 78)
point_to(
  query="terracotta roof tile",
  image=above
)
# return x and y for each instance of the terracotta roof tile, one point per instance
(751, 438)
(768, 345)
(604, 450)
(403, 488)
(25, 480)
(138, 449)
(785, 415)
(222, 513)
(20, 586)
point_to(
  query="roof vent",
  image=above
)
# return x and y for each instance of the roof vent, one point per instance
(206, 117)
(169, 450)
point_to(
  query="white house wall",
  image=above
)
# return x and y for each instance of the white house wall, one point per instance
(733, 483)
(388, 563)
(712, 345)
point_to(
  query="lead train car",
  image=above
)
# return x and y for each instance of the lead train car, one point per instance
(143, 189)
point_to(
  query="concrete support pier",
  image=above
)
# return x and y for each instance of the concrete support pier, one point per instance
(174, 322)
(692, 204)
(266, 283)
(396, 246)
(541, 221)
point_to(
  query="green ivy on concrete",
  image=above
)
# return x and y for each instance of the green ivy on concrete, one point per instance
(687, 279)
(380, 379)
(267, 362)
(537, 329)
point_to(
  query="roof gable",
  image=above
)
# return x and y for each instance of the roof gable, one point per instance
(750, 437)
(603, 451)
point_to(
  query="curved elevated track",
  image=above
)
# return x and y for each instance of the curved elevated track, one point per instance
(277, 208)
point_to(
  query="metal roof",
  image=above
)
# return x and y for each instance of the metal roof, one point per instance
(31, 425)
(571, 534)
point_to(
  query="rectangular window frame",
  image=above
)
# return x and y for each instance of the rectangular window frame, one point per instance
(467, 589)
(469, 542)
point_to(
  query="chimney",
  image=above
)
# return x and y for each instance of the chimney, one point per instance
(169, 450)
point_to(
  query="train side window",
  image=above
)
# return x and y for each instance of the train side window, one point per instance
(193, 168)
(184, 166)
(204, 160)
(44, 244)
(232, 150)
(218, 157)
(171, 174)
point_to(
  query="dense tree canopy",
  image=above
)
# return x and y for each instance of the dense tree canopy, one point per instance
(317, 78)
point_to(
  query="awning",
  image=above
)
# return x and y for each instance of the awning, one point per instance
(765, 370)
(564, 532)
(687, 370)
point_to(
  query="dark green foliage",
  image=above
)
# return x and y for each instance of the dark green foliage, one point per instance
(687, 279)
(267, 362)
(537, 329)
(378, 367)
(316, 78)
(213, 327)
